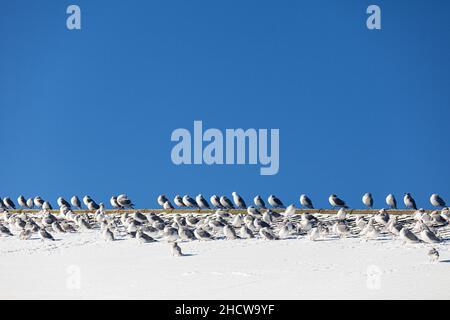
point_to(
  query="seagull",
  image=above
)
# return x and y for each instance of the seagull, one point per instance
(237, 221)
(275, 202)
(246, 233)
(113, 202)
(226, 203)
(215, 201)
(259, 202)
(170, 233)
(108, 235)
(408, 236)
(44, 235)
(186, 234)
(433, 254)
(306, 202)
(202, 234)
(252, 211)
(76, 202)
(201, 202)
(229, 233)
(124, 202)
(92, 205)
(178, 200)
(189, 202)
(176, 250)
(86, 200)
(368, 200)
(38, 202)
(30, 203)
(9, 204)
(142, 237)
(62, 202)
(162, 199)
(22, 202)
(47, 206)
(391, 202)
(341, 228)
(336, 202)
(5, 231)
(167, 205)
(409, 201)
(238, 201)
(437, 201)
(267, 234)
(428, 236)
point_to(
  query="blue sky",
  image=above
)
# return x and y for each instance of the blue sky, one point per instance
(92, 111)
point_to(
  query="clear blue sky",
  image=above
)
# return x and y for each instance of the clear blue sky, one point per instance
(92, 111)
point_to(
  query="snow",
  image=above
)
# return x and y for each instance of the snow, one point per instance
(82, 266)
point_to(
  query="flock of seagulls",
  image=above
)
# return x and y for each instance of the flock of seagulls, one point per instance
(238, 202)
(122, 202)
(259, 222)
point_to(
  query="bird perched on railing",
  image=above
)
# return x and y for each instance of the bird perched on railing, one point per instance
(336, 202)
(409, 202)
(391, 202)
(437, 201)
(368, 200)
(259, 202)
(275, 202)
(238, 201)
(189, 202)
(306, 202)
(226, 203)
(201, 202)
(75, 201)
(124, 202)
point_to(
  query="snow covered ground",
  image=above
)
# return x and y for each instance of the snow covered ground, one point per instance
(83, 266)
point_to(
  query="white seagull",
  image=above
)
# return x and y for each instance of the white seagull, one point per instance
(391, 202)
(238, 201)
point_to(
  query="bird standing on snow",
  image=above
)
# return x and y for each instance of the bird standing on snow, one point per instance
(391, 202)
(368, 200)
(428, 236)
(275, 202)
(433, 254)
(336, 202)
(108, 235)
(259, 202)
(407, 236)
(409, 201)
(306, 202)
(437, 201)
(44, 235)
(176, 250)
(238, 201)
